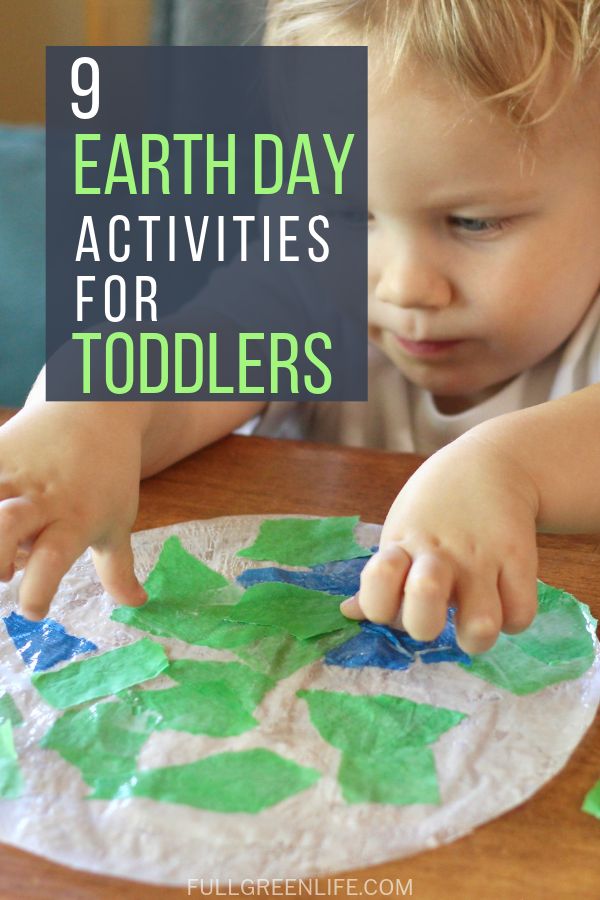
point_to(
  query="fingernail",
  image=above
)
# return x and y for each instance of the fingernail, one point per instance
(33, 615)
(346, 603)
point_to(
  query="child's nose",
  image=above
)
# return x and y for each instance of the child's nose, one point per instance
(413, 283)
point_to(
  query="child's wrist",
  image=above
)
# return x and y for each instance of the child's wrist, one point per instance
(493, 450)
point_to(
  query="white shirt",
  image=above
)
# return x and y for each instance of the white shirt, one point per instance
(402, 417)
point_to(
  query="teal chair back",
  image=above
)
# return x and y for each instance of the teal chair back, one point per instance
(22, 260)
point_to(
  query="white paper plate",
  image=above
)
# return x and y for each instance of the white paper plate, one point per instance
(507, 749)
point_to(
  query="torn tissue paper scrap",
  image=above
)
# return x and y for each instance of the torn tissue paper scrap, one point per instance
(591, 803)
(385, 754)
(44, 644)
(388, 648)
(202, 617)
(99, 676)
(306, 542)
(212, 708)
(9, 710)
(249, 686)
(245, 781)
(339, 577)
(11, 779)
(296, 610)
(101, 740)
(557, 646)
(187, 600)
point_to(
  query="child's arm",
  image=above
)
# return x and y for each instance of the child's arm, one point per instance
(69, 479)
(462, 530)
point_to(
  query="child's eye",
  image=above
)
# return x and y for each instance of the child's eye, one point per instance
(477, 226)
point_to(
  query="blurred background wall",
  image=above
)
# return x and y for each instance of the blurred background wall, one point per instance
(208, 21)
(26, 28)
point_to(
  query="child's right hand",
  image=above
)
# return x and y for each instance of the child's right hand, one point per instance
(69, 479)
(461, 532)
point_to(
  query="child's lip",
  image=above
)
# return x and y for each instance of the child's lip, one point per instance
(428, 348)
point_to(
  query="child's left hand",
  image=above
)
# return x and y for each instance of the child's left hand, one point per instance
(462, 532)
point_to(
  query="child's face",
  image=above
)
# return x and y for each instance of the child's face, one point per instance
(484, 254)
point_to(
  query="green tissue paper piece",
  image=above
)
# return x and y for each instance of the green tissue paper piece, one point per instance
(9, 710)
(205, 626)
(249, 686)
(11, 779)
(180, 582)
(246, 781)
(301, 612)
(226, 635)
(99, 676)
(189, 601)
(376, 725)
(557, 646)
(407, 776)
(214, 698)
(591, 804)
(102, 740)
(211, 708)
(306, 542)
(201, 616)
(384, 742)
(181, 576)
(279, 655)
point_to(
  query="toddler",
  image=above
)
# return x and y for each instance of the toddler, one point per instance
(484, 311)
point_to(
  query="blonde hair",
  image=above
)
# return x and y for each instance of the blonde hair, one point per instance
(497, 50)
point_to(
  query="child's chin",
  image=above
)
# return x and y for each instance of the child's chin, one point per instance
(452, 393)
(438, 378)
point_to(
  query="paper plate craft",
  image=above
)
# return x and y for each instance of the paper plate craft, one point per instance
(237, 726)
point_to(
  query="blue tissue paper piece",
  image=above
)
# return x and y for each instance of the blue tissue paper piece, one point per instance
(389, 648)
(369, 648)
(44, 644)
(340, 578)
(376, 645)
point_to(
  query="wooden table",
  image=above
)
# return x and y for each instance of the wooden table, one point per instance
(546, 848)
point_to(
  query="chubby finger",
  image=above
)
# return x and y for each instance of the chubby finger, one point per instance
(382, 583)
(517, 586)
(351, 608)
(52, 555)
(427, 593)
(8, 490)
(479, 614)
(114, 565)
(20, 519)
